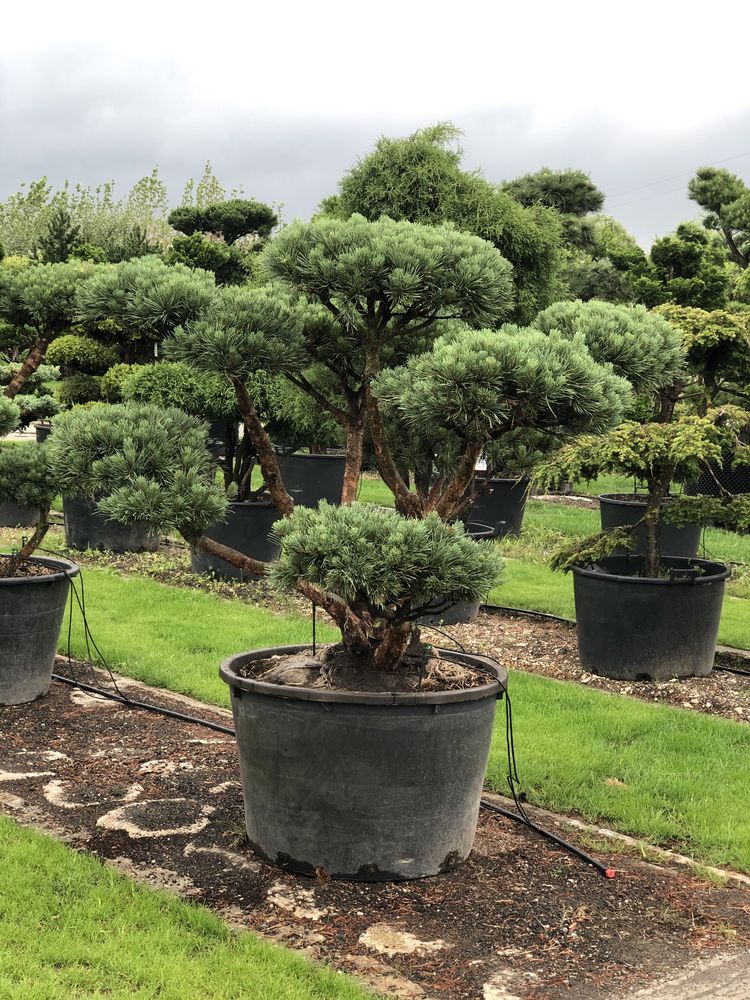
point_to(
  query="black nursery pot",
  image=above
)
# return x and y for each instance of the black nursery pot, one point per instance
(86, 528)
(439, 612)
(675, 541)
(311, 478)
(371, 786)
(42, 432)
(503, 506)
(246, 528)
(31, 614)
(632, 627)
(13, 515)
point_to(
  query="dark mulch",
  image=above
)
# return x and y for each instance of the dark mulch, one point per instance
(550, 648)
(161, 799)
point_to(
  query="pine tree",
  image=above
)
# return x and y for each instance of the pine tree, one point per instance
(58, 242)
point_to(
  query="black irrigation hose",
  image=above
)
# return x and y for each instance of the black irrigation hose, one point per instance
(131, 703)
(553, 837)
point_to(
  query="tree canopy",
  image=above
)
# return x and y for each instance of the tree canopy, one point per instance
(420, 179)
(726, 200)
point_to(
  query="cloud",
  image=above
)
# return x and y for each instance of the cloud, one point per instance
(73, 114)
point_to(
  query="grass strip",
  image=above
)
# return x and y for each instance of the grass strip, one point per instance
(72, 927)
(173, 637)
(674, 777)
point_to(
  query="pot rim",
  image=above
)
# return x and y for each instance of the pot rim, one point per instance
(329, 455)
(493, 689)
(68, 570)
(639, 499)
(722, 572)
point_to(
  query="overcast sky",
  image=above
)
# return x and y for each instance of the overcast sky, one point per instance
(283, 99)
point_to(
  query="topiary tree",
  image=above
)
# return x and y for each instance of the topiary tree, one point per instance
(570, 192)
(42, 298)
(488, 393)
(26, 480)
(376, 572)
(717, 349)
(231, 219)
(669, 445)
(419, 178)
(139, 302)
(690, 268)
(351, 297)
(141, 464)
(726, 200)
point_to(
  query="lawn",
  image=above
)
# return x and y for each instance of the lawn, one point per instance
(72, 928)
(684, 775)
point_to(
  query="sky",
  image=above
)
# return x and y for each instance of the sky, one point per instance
(283, 98)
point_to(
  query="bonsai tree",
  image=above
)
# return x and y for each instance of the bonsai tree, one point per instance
(726, 200)
(232, 219)
(141, 464)
(375, 572)
(43, 298)
(82, 361)
(24, 480)
(350, 297)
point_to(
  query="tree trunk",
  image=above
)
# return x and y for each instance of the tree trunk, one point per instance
(33, 359)
(394, 641)
(452, 498)
(408, 503)
(355, 433)
(232, 556)
(266, 455)
(658, 489)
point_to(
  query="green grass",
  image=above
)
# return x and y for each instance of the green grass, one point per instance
(72, 928)
(684, 774)
(175, 638)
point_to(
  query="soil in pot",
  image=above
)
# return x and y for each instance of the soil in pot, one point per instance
(13, 515)
(247, 528)
(502, 506)
(311, 478)
(32, 606)
(632, 627)
(617, 509)
(85, 528)
(373, 785)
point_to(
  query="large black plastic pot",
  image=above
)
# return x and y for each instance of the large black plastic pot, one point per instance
(247, 528)
(311, 478)
(371, 786)
(13, 515)
(675, 541)
(632, 627)
(502, 506)
(31, 614)
(85, 528)
(711, 482)
(460, 612)
(42, 432)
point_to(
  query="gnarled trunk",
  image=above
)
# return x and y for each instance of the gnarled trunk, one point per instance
(266, 455)
(355, 433)
(33, 359)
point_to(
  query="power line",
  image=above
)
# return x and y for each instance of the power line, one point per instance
(669, 177)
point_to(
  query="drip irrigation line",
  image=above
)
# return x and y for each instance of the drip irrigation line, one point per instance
(132, 703)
